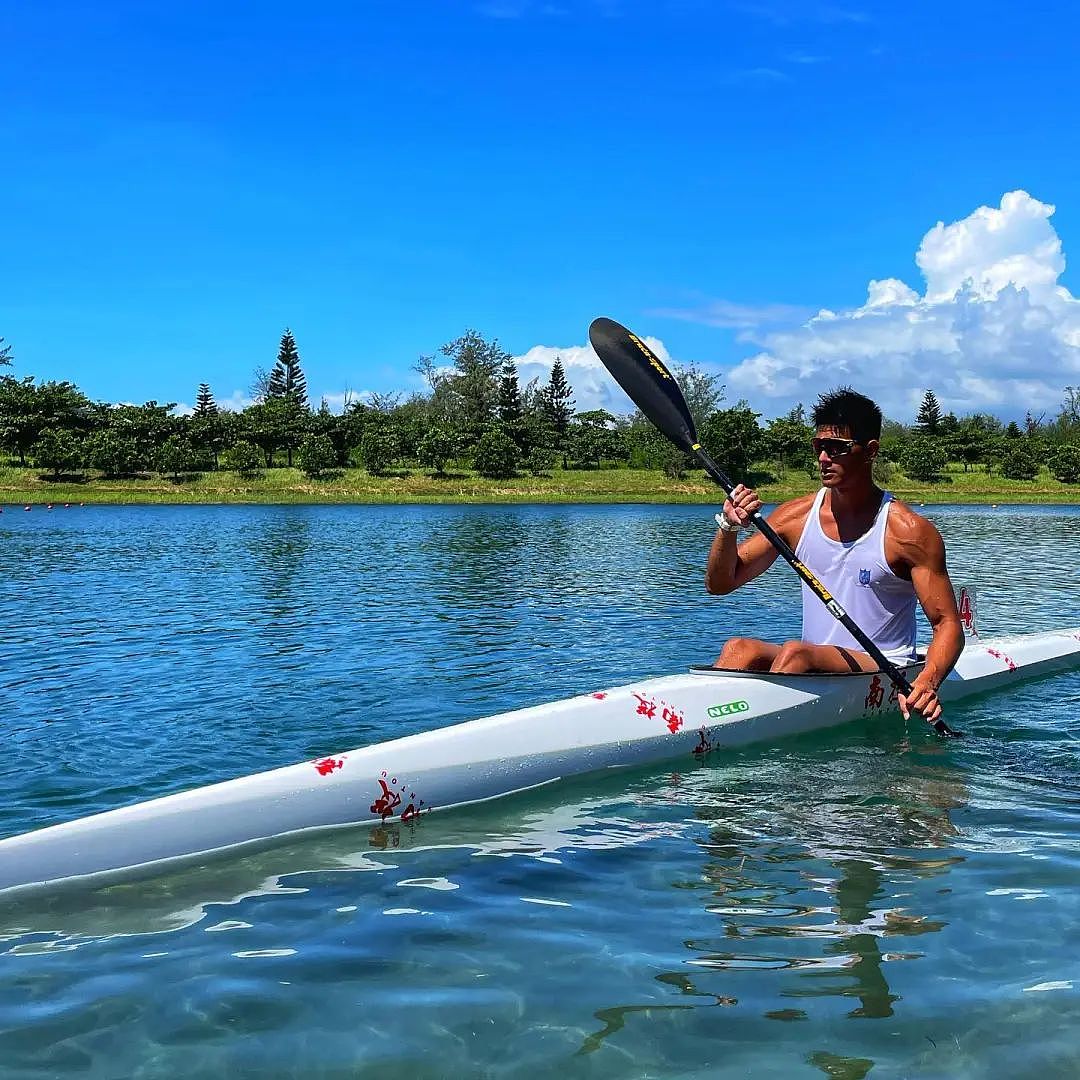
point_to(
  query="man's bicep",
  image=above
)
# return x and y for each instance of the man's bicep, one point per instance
(930, 576)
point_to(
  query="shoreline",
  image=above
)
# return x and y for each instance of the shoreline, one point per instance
(24, 486)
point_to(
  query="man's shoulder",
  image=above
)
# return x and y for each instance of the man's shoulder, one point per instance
(902, 515)
(789, 517)
(907, 527)
(799, 505)
(794, 509)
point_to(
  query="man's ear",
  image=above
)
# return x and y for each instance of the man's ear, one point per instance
(872, 447)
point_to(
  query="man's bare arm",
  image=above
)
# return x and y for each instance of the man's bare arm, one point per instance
(732, 564)
(922, 548)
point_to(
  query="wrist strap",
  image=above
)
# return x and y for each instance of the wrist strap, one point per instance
(725, 525)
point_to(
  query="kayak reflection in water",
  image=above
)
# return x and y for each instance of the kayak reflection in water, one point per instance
(873, 553)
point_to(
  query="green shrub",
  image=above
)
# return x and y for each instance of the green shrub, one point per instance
(316, 455)
(114, 454)
(377, 451)
(924, 459)
(175, 456)
(436, 448)
(497, 455)
(244, 458)
(541, 460)
(58, 450)
(1019, 463)
(1064, 464)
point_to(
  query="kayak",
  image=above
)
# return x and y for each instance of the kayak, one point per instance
(690, 716)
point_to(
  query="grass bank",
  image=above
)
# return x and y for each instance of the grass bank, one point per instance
(22, 486)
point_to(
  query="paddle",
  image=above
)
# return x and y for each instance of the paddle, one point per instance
(653, 389)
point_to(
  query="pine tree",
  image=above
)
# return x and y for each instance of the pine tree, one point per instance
(558, 405)
(287, 380)
(510, 407)
(510, 410)
(205, 405)
(207, 428)
(558, 399)
(287, 387)
(929, 419)
(5, 354)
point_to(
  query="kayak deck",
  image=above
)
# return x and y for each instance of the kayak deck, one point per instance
(690, 716)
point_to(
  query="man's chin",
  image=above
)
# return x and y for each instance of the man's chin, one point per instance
(829, 479)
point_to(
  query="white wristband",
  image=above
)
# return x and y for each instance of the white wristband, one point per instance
(725, 525)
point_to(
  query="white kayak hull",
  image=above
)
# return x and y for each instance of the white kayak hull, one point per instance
(688, 716)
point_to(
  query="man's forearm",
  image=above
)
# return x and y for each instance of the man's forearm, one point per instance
(722, 564)
(944, 650)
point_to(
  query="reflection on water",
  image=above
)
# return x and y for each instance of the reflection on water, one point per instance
(855, 902)
(806, 915)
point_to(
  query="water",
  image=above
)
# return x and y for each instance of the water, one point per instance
(861, 900)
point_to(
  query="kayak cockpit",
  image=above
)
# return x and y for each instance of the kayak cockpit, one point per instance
(708, 669)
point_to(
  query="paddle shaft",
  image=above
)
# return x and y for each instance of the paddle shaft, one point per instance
(896, 676)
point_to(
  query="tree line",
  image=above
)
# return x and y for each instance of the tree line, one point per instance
(475, 413)
(1015, 451)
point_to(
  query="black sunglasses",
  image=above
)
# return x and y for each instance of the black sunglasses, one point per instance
(834, 448)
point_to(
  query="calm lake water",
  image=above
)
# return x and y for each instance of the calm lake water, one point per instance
(862, 901)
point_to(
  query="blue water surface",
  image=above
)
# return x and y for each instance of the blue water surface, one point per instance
(863, 901)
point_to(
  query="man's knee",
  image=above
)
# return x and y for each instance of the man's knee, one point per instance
(793, 658)
(742, 654)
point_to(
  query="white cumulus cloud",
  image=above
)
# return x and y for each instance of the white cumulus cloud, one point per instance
(593, 387)
(993, 329)
(237, 401)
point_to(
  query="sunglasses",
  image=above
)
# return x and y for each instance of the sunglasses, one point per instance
(833, 448)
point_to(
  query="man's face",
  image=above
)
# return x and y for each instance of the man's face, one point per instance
(839, 457)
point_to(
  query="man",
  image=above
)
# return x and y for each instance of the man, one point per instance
(873, 553)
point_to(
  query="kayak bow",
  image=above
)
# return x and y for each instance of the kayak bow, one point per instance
(689, 716)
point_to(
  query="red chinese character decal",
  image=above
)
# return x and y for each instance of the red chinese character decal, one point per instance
(671, 716)
(1005, 659)
(600, 695)
(894, 695)
(391, 797)
(703, 746)
(646, 706)
(387, 803)
(876, 693)
(328, 765)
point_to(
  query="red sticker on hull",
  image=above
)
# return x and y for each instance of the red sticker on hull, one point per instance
(672, 717)
(876, 693)
(328, 765)
(1007, 661)
(391, 796)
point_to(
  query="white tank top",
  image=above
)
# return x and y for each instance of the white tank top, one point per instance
(859, 576)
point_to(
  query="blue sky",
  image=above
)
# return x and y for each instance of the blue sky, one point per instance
(183, 180)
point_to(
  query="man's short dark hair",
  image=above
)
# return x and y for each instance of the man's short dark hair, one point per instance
(844, 408)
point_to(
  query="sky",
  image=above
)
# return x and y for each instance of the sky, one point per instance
(791, 195)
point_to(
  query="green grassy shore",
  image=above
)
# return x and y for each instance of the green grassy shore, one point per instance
(30, 486)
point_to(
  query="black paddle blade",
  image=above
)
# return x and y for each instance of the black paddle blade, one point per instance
(647, 382)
